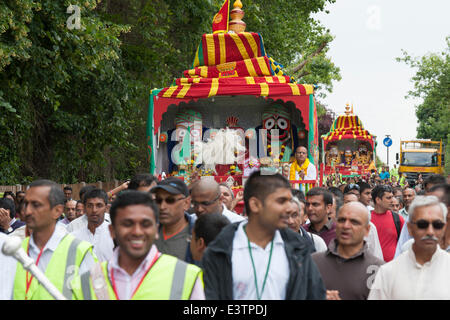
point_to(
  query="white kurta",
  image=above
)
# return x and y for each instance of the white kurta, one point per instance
(101, 240)
(373, 242)
(232, 216)
(405, 279)
(82, 222)
(8, 267)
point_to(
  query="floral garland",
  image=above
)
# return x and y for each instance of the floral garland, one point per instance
(280, 157)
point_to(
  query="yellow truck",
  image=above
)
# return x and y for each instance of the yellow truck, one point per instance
(420, 157)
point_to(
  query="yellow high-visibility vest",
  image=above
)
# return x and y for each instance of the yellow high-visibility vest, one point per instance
(168, 279)
(63, 266)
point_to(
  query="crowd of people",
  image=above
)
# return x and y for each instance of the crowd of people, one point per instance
(149, 239)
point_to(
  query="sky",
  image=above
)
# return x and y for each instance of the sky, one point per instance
(369, 35)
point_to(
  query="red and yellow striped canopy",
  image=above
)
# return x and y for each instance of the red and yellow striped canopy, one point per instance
(347, 127)
(259, 86)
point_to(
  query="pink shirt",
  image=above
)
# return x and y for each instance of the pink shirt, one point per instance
(126, 284)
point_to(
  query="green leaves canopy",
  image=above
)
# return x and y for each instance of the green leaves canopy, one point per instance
(432, 86)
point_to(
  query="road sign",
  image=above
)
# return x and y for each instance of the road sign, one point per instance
(387, 142)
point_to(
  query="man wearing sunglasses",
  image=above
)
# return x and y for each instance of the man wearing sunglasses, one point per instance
(422, 272)
(207, 198)
(175, 224)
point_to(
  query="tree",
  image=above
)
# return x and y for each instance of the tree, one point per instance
(325, 118)
(432, 86)
(294, 38)
(62, 90)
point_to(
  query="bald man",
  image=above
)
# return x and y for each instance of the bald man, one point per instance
(206, 199)
(347, 267)
(69, 212)
(373, 242)
(304, 169)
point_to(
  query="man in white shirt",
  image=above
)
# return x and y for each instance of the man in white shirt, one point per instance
(422, 272)
(96, 232)
(44, 203)
(268, 260)
(228, 199)
(138, 270)
(301, 161)
(296, 218)
(82, 222)
(7, 269)
(365, 195)
(206, 198)
(69, 212)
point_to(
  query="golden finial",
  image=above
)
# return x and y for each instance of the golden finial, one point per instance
(236, 24)
(347, 109)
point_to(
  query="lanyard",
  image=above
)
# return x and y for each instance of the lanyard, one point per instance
(140, 282)
(258, 295)
(28, 282)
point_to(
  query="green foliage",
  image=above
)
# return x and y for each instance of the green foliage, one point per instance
(63, 92)
(291, 35)
(325, 118)
(432, 85)
(447, 156)
(379, 163)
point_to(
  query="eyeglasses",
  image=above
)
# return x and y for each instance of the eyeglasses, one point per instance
(204, 203)
(423, 224)
(168, 200)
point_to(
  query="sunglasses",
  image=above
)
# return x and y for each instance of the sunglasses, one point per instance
(204, 203)
(353, 186)
(168, 200)
(423, 224)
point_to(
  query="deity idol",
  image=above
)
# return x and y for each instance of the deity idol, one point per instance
(188, 131)
(277, 116)
(348, 156)
(363, 155)
(332, 155)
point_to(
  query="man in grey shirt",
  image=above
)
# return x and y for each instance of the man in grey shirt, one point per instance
(347, 268)
(173, 200)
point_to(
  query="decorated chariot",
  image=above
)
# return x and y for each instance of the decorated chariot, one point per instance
(348, 150)
(233, 112)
